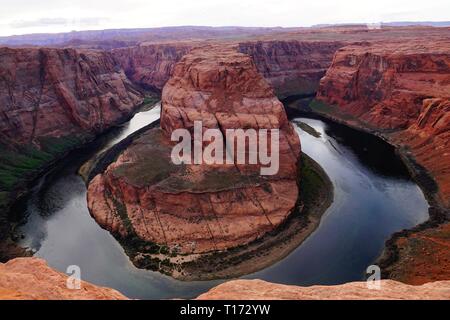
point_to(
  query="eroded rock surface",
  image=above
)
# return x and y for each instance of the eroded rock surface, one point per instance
(151, 65)
(51, 101)
(58, 92)
(389, 290)
(292, 67)
(198, 209)
(401, 90)
(33, 279)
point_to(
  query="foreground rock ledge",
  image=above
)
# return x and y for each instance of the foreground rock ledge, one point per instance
(33, 279)
(162, 210)
(390, 290)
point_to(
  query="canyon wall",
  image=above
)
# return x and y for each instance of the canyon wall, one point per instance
(52, 100)
(198, 209)
(33, 279)
(292, 67)
(401, 90)
(150, 65)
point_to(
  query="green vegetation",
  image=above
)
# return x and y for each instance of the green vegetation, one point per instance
(149, 102)
(314, 184)
(321, 107)
(20, 163)
(308, 129)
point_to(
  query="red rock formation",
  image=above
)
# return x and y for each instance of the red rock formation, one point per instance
(51, 101)
(423, 256)
(59, 92)
(389, 290)
(150, 65)
(402, 90)
(292, 67)
(33, 279)
(201, 208)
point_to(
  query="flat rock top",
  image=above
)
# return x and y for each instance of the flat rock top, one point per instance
(390, 290)
(33, 279)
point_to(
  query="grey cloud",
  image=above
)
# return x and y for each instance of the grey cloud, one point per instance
(44, 22)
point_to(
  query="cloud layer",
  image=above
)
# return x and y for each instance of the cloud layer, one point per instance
(29, 16)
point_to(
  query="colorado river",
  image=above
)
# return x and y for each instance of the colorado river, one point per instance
(374, 197)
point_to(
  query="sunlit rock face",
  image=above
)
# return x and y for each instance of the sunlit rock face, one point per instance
(200, 208)
(388, 290)
(33, 279)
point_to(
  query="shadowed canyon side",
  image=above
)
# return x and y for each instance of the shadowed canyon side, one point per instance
(292, 67)
(167, 209)
(151, 65)
(51, 101)
(33, 279)
(402, 91)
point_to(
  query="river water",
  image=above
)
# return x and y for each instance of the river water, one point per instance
(374, 197)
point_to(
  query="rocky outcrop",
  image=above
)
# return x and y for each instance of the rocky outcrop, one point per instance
(292, 67)
(55, 93)
(401, 90)
(151, 65)
(199, 209)
(52, 100)
(33, 279)
(389, 290)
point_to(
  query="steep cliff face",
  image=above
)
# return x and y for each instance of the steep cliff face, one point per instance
(150, 65)
(33, 279)
(389, 290)
(197, 209)
(401, 90)
(292, 67)
(52, 100)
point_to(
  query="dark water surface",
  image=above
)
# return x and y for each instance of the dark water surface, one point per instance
(374, 197)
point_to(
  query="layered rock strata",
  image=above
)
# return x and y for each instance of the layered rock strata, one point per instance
(52, 100)
(198, 209)
(402, 92)
(292, 67)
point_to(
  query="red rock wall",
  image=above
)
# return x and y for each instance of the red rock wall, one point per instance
(403, 90)
(291, 67)
(57, 92)
(150, 65)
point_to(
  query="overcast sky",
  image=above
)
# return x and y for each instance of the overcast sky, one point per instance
(33, 16)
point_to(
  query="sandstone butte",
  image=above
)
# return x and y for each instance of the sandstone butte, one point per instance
(33, 279)
(402, 91)
(52, 100)
(195, 209)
